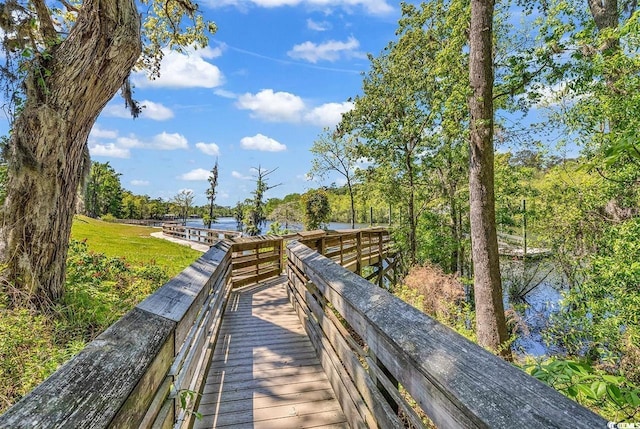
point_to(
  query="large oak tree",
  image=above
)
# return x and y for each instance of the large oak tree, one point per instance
(64, 62)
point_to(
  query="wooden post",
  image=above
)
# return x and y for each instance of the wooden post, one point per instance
(524, 230)
(281, 260)
(387, 396)
(380, 261)
(359, 253)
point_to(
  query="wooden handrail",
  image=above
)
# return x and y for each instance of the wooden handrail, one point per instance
(198, 235)
(370, 342)
(132, 375)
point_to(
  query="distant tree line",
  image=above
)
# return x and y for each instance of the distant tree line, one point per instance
(104, 197)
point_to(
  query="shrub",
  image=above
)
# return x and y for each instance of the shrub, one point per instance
(108, 217)
(100, 289)
(613, 397)
(600, 316)
(440, 295)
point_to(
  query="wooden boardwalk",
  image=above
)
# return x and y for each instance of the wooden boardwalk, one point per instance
(264, 371)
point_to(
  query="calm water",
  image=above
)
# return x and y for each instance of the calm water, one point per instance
(542, 301)
(229, 224)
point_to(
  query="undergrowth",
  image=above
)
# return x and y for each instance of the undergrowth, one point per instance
(439, 295)
(99, 289)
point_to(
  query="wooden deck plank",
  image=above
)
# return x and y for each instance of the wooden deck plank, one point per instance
(276, 391)
(264, 371)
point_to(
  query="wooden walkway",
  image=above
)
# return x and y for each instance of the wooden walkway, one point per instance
(264, 371)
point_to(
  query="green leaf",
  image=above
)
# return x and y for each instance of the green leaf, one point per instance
(615, 394)
(612, 379)
(587, 391)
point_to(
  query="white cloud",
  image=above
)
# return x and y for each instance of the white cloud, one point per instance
(162, 141)
(262, 143)
(155, 111)
(208, 148)
(140, 182)
(374, 7)
(556, 95)
(286, 107)
(188, 70)
(199, 174)
(166, 141)
(332, 51)
(237, 175)
(318, 26)
(99, 133)
(150, 110)
(109, 150)
(329, 114)
(306, 177)
(130, 142)
(273, 106)
(225, 94)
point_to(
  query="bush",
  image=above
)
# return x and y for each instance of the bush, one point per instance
(108, 217)
(613, 397)
(100, 289)
(440, 295)
(28, 353)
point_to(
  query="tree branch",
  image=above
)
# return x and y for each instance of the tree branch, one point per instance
(47, 30)
(69, 6)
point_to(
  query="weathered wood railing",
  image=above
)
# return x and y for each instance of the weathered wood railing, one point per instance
(259, 258)
(256, 259)
(134, 373)
(380, 354)
(197, 235)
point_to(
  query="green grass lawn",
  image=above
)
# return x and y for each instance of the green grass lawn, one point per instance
(100, 288)
(134, 243)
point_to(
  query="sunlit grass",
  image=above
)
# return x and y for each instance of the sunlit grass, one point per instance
(134, 243)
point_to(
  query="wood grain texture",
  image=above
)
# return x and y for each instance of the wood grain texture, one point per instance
(264, 371)
(456, 382)
(104, 375)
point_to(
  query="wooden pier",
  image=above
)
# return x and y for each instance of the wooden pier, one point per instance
(264, 371)
(232, 343)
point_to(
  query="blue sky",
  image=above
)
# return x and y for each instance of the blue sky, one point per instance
(275, 74)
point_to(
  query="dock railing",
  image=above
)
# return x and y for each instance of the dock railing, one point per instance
(142, 369)
(390, 364)
(380, 354)
(197, 235)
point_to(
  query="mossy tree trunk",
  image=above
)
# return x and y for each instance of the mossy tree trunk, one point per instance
(490, 319)
(47, 152)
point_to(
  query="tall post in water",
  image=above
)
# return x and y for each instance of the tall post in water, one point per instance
(524, 229)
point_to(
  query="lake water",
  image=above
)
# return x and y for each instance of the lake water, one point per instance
(542, 301)
(229, 224)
